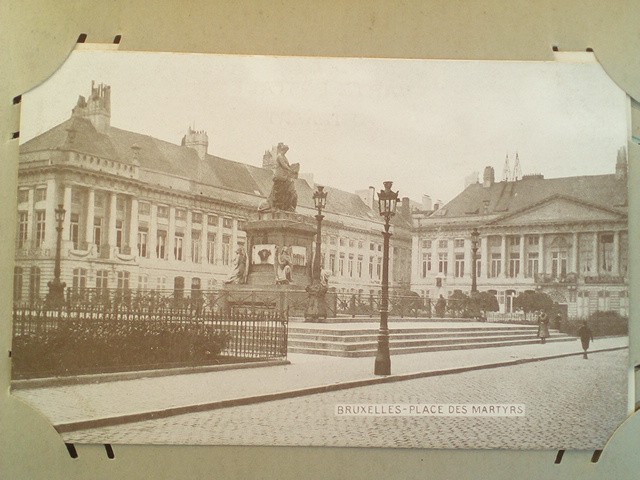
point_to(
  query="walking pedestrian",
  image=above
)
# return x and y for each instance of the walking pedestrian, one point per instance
(586, 336)
(543, 327)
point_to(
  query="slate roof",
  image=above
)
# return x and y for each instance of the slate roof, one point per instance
(208, 175)
(506, 197)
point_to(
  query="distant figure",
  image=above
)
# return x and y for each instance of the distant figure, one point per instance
(586, 336)
(543, 328)
(441, 306)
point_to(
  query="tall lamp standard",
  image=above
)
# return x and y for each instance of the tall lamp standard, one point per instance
(55, 295)
(317, 304)
(474, 259)
(387, 202)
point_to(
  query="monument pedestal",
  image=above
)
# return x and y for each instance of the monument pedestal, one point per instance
(280, 255)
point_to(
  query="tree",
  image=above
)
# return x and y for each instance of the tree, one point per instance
(530, 301)
(458, 304)
(483, 302)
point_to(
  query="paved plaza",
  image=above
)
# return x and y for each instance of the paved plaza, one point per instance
(552, 390)
(570, 403)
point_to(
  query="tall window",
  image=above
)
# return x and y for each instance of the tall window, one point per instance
(102, 280)
(332, 262)
(195, 247)
(459, 267)
(532, 264)
(79, 279)
(177, 246)
(119, 234)
(558, 264)
(226, 250)
(41, 194)
(123, 280)
(514, 262)
(40, 227)
(17, 283)
(443, 262)
(458, 243)
(143, 240)
(585, 254)
(97, 232)
(178, 287)
(606, 252)
(23, 229)
(74, 230)
(161, 244)
(34, 283)
(426, 264)
(379, 268)
(341, 264)
(443, 243)
(496, 263)
(351, 265)
(143, 282)
(161, 283)
(360, 266)
(211, 248)
(371, 267)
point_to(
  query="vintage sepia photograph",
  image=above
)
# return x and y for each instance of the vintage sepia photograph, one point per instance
(343, 252)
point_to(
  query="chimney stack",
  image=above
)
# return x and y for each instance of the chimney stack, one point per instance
(97, 108)
(489, 177)
(198, 140)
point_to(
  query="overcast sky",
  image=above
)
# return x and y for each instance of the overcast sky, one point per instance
(357, 122)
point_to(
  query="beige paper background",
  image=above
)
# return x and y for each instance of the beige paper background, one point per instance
(36, 36)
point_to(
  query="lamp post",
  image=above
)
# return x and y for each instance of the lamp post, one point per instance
(317, 304)
(55, 296)
(387, 202)
(474, 259)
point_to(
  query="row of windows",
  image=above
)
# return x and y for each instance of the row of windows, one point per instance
(40, 195)
(197, 248)
(350, 266)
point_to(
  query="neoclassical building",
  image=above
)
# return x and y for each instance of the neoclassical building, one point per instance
(142, 213)
(567, 237)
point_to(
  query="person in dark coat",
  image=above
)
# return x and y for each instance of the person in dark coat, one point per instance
(543, 328)
(586, 336)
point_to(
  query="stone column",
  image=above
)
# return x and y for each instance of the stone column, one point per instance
(234, 237)
(31, 233)
(218, 259)
(416, 259)
(91, 205)
(111, 232)
(541, 253)
(523, 261)
(186, 248)
(153, 230)
(484, 257)
(204, 233)
(171, 233)
(50, 216)
(133, 227)
(596, 260)
(574, 254)
(66, 225)
(503, 256)
(615, 266)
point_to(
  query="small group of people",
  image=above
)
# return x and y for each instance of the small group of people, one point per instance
(584, 332)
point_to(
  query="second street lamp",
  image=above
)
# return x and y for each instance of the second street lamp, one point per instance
(55, 296)
(317, 304)
(474, 256)
(387, 202)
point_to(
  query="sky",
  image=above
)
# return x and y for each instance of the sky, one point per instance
(352, 122)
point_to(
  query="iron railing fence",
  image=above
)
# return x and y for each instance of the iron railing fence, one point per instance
(89, 338)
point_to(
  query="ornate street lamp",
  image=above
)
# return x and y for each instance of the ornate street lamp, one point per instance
(387, 202)
(55, 296)
(317, 304)
(475, 236)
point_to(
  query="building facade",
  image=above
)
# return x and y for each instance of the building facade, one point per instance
(566, 237)
(145, 214)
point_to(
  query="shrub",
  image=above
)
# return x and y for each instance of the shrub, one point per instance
(602, 324)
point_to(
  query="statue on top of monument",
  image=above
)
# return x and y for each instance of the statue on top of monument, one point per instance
(283, 194)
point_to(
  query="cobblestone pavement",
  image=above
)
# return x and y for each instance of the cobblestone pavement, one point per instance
(115, 398)
(570, 403)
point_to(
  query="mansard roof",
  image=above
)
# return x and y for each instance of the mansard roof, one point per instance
(502, 198)
(212, 176)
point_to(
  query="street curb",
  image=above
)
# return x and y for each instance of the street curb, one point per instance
(169, 412)
(135, 375)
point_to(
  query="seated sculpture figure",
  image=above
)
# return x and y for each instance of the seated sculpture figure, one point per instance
(283, 266)
(239, 273)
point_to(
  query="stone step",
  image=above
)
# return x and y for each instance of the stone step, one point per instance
(401, 343)
(365, 331)
(372, 335)
(394, 350)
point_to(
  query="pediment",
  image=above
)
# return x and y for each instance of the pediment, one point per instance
(560, 210)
